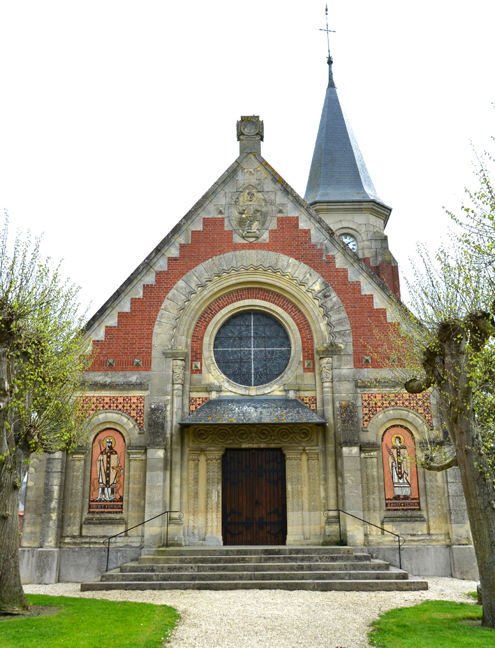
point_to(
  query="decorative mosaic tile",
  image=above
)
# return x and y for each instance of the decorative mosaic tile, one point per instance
(196, 401)
(309, 401)
(348, 415)
(133, 406)
(374, 403)
(400, 470)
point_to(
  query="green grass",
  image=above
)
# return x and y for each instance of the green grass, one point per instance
(433, 624)
(90, 623)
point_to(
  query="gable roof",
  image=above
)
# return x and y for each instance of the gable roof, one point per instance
(170, 245)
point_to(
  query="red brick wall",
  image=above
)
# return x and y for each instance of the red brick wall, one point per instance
(131, 337)
(252, 293)
(388, 273)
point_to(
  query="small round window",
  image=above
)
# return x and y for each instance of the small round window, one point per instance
(252, 348)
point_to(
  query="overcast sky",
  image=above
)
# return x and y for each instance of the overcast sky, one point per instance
(116, 116)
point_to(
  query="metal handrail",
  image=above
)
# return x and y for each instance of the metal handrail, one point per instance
(180, 515)
(399, 537)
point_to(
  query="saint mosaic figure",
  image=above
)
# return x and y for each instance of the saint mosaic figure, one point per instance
(107, 473)
(399, 463)
(108, 469)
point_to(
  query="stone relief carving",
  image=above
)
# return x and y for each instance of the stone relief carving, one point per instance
(178, 372)
(326, 369)
(249, 212)
(249, 435)
(241, 262)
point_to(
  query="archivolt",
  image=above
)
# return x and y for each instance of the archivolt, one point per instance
(212, 278)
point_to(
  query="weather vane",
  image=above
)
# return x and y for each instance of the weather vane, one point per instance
(328, 31)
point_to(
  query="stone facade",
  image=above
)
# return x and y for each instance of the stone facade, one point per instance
(251, 244)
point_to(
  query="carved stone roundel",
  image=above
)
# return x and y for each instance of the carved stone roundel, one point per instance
(249, 127)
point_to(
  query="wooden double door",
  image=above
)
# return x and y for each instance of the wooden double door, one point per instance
(254, 499)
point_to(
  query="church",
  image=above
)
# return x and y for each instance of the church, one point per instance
(241, 382)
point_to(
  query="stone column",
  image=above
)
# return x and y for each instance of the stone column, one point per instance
(75, 497)
(315, 512)
(371, 484)
(295, 524)
(176, 524)
(353, 494)
(463, 558)
(48, 557)
(326, 375)
(214, 496)
(52, 500)
(135, 489)
(155, 471)
(193, 491)
(157, 497)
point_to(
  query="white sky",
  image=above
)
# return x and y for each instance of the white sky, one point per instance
(116, 116)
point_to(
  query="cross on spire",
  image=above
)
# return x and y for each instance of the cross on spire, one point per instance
(328, 31)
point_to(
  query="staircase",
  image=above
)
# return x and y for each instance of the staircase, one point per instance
(227, 568)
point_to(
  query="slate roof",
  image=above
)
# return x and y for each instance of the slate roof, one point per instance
(338, 172)
(242, 411)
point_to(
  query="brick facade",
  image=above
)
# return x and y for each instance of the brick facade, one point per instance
(131, 338)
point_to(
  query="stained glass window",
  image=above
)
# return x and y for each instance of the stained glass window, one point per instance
(252, 348)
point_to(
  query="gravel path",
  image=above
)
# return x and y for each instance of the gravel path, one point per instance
(275, 618)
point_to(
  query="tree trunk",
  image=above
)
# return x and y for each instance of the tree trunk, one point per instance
(12, 598)
(480, 501)
(476, 476)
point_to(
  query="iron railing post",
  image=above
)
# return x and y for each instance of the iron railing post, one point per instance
(108, 552)
(180, 515)
(166, 543)
(399, 537)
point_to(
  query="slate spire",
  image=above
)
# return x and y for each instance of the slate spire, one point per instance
(338, 172)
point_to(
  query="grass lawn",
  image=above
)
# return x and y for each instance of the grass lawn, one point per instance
(433, 624)
(90, 623)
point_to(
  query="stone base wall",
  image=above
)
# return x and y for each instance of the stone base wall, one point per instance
(456, 561)
(75, 565)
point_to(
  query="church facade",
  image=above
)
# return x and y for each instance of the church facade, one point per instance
(241, 381)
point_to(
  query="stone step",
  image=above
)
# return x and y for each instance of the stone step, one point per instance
(247, 550)
(260, 558)
(314, 585)
(374, 565)
(248, 576)
(232, 568)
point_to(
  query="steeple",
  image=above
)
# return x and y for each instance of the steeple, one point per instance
(338, 172)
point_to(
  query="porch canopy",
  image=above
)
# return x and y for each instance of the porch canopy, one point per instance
(244, 410)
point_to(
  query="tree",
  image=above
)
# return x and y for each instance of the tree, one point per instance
(453, 336)
(42, 352)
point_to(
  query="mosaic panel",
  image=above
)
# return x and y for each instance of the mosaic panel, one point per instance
(309, 401)
(374, 403)
(196, 401)
(133, 406)
(348, 415)
(399, 470)
(107, 473)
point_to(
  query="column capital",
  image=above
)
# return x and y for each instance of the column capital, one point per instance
(293, 453)
(214, 453)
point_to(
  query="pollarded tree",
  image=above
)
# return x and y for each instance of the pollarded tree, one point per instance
(454, 340)
(41, 355)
